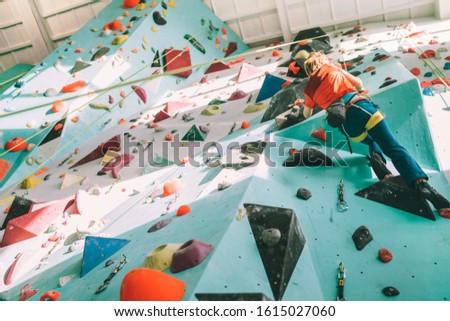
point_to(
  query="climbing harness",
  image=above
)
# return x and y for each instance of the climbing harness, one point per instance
(342, 274)
(104, 285)
(341, 204)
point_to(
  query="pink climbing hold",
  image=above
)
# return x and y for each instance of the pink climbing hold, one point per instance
(140, 92)
(116, 164)
(238, 94)
(27, 292)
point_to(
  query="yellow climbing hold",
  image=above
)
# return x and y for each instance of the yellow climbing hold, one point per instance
(160, 258)
(171, 3)
(99, 106)
(154, 28)
(121, 102)
(141, 7)
(254, 108)
(145, 40)
(31, 181)
(164, 13)
(119, 39)
(211, 110)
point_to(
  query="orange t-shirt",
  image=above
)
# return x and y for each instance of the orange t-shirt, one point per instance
(326, 85)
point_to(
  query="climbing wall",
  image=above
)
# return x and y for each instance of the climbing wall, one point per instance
(184, 193)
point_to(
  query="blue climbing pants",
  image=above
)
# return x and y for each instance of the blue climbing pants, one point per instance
(381, 140)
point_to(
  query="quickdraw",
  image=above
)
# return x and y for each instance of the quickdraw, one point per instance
(104, 285)
(342, 274)
(342, 205)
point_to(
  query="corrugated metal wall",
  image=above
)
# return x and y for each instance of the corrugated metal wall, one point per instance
(31, 29)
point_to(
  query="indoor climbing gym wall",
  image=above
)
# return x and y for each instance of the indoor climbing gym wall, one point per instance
(155, 156)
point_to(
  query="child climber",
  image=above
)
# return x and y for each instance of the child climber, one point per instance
(342, 96)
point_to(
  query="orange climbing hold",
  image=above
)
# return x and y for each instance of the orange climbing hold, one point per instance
(153, 4)
(58, 105)
(286, 83)
(143, 284)
(15, 144)
(415, 71)
(294, 68)
(171, 187)
(50, 296)
(73, 87)
(114, 25)
(276, 53)
(320, 134)
(130, 3)
(183, 210)
(245, 124)
(58, 127)
(4, 167)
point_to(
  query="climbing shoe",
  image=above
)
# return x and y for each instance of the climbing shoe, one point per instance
(430, 194)
(378, 164)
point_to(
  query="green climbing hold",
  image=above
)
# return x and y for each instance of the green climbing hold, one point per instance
(195, 43)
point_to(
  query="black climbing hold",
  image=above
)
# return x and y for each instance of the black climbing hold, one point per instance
(100, 53)
(387, 83)
(379, 56)
(271, 237)
(79, 65)
(309, 157)
(373, 72)
(216, 102)
(19, 207)
(156, 61)
(395, 193)
(303, 193)
(232, 297)
(109, 262)
(195, 43)
(164, 5)
(352, 31)
(159, 20)
(135, 18)
(159, 225)
(390, 291)
(361, 237)
(253, 147)
(280, 259)
(47, 177)
(101, 173)
(126, 32)
(356, 73)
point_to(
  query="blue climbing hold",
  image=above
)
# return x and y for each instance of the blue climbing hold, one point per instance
(428, 91)
(428, 74)
(447, 66)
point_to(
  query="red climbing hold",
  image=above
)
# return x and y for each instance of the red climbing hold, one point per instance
(286, 83)
(72, 87)
(140, 92)
(50, 296)
(447, 58)
(293, 151)
(440, 81)
(15, 144)
(143, 284)
(385, 255)
(428, 54)
(370, 68)
(58, 105)
(433, 42)
(294, 68)
(444, 212)
(415, 71)
(58, 126)
(320, 134)
(183, 210)
(425, 84)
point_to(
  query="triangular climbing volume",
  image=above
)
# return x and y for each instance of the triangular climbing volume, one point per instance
(98, 249)
(194, 134)
(280, 243)
(394, 192)
(271, 85)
